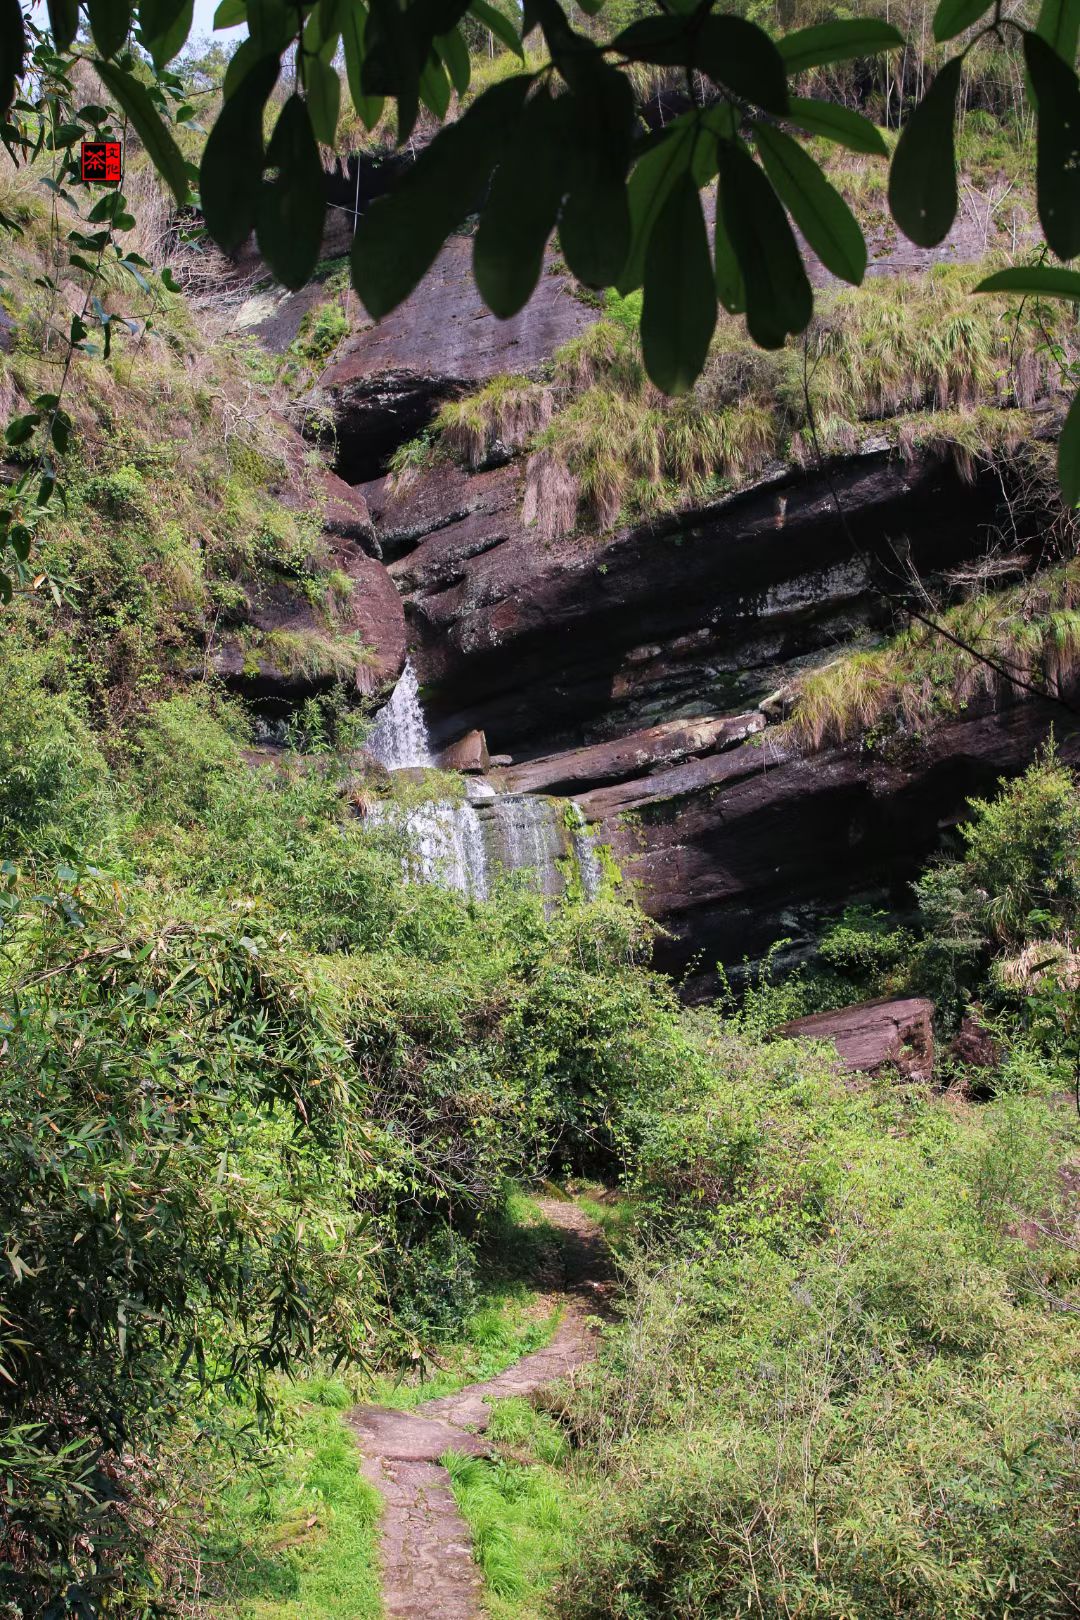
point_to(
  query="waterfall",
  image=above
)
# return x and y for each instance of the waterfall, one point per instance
(399, 737)
(526, 835)
(446, 845)
(460, 845)
(584, 847)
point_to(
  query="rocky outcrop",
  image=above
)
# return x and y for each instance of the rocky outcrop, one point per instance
(390, 379)
(547, 646)
(876, 1035)
(642, 672)
(631, 757)
(739, 850)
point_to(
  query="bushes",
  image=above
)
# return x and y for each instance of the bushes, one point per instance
(178, 1157)
(843, 1384)
(55, 789)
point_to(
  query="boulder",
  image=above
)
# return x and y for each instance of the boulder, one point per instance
(876, 1035)
(632, 756)
(469, 753)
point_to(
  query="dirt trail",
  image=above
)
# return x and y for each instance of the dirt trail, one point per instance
(428, 1570)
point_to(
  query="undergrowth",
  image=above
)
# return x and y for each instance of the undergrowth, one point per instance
(293, 1536)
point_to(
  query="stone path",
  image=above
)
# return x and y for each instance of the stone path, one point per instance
(428, 1570)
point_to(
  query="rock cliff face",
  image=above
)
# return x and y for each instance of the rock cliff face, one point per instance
(636, 672)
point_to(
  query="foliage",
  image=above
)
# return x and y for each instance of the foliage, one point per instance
(262, 1101)
(842, 1382)
(294, 1537)
(1016, 884)
(574, 160)
(890, 694)
(172, 1109)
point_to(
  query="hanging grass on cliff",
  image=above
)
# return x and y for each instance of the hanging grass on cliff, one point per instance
(910, 360)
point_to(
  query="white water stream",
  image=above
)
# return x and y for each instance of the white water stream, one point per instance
(458, 844)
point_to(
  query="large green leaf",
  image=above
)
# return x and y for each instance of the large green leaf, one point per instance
(398, 59)
(953, 16)
(322, 88)
(523, 205)
(134, 98)
(435, 88)
(391, 66)
(398, 238)
(230, 174)
(109, 24)
(778, 296)
(594, 230)
(268, 22)
(732, 51)
(1036, 280)
(654, 175)
(678, 313)
(816, 207)
(164, 28)
(63, 22)
(247, 56)
(1057, 163)
(494, 21)
(741, 56)
(922, 180)
(454, 55)
(12, 51)
(730, 289)
(1059, 25)
(230, 13)
(838, 124)
(837, 42)
(353, 25)
(291, 208)
(1069, 456)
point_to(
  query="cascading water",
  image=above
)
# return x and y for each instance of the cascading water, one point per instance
(459, 844)
(399, 738)
(526, 836)
(584, 847)
(444, 841)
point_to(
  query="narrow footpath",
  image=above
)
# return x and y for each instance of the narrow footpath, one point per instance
(427, 1563)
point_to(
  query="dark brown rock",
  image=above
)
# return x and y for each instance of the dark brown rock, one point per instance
(547, 646)
(632, 756)
(974, 1046)
(390, 378)
(739, 850)
(876, 1035)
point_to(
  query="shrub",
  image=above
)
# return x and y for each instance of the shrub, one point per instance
(55, 787)
(183, 748)
(842, 1385)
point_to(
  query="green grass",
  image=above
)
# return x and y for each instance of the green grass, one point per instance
(1032, 629)
(296, 1538)
(917, 358)
(523, 1516)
